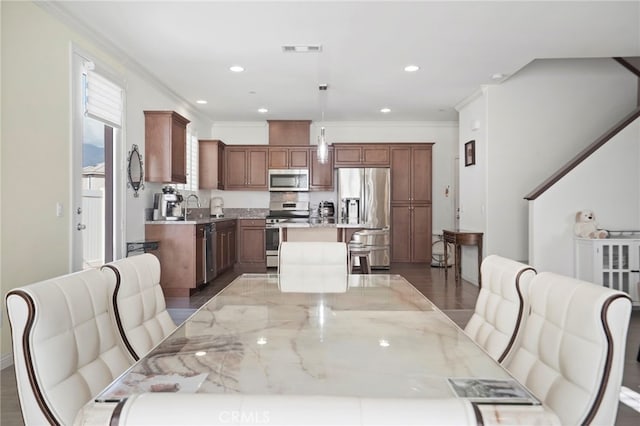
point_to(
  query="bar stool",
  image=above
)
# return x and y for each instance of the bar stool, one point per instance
(363, 253)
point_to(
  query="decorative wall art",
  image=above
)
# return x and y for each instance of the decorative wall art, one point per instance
(470, 153)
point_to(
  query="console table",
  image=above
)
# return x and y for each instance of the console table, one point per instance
(460, 238)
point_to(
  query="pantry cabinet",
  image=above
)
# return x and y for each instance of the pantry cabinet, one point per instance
(411, 208)
(165, 136)
(411, 173)
(411, 233)
(246, 168)
(610, 262)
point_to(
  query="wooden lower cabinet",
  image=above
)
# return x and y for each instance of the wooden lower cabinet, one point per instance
(411, 233)
(251, 244)
(180, 255)
(225, 245)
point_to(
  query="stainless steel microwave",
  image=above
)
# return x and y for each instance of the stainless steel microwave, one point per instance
(288, 180)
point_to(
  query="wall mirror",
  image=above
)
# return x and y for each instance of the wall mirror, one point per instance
(134, 170)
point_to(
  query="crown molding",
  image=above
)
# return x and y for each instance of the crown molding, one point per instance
(59, 12)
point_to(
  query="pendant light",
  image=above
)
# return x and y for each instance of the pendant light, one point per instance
(323, 146)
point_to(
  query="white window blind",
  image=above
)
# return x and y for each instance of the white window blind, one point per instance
(192, 163)
(103, 99)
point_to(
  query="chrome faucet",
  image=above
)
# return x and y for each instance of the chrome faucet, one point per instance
(186, 204)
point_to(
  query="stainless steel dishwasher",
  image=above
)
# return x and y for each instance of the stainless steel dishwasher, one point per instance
(209, 252)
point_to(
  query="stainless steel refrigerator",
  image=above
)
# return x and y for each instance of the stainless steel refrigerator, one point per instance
(364, 195)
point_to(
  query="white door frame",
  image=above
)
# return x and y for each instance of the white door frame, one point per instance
(79, 59)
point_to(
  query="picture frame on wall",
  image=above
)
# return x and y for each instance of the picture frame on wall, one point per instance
(470, 153)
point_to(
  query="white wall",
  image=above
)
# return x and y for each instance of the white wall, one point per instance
(444, 134)
(473, 179)
(606, 182)
(142, 96)
(537, 120)
(36, 142)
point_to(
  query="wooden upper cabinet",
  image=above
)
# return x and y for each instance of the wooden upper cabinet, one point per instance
(321, 175)
(411, 173)
(246, 167)
(211, 164)
(282, 157)
(165, 136)
(289, 132)
(361, 155)
(257, 178)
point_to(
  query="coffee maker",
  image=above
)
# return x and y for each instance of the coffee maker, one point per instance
(167, 204)
(216, 206)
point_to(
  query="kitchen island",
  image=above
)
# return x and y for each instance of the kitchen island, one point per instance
(319, 231)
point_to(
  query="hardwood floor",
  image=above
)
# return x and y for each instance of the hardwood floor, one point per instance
(457, 301)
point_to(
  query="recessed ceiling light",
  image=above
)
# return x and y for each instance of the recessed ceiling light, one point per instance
(411, 68)
(201, 102)
(262, 110)
(498, 76)
(236, 68)
(385, 110)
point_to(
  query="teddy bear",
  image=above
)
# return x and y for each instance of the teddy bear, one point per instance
(586, 226)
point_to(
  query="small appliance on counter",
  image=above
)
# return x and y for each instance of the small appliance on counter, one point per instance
(326, 209)
(216, 205)
(167, 204)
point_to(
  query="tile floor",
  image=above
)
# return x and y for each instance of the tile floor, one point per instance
(456, 300)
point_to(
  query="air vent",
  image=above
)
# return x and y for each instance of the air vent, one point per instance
(314, 48)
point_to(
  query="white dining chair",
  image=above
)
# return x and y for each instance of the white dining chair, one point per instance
(172, 409)
(65, 347)
(571, 355)
(502, 305)
(313, 258)
(138, 304)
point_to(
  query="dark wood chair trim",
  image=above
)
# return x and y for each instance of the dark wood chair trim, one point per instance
(28, 359)
(116, 312)
(609, 359)
(478, 413)
(521, 314)
(115, 416)
(617, 128)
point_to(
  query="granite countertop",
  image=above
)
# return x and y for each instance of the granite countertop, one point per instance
(203, 216)
(325, 225)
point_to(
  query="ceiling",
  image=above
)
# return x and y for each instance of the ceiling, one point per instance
(459, 46)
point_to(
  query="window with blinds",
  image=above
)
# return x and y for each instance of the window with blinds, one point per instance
(103, 99)
(192, 163)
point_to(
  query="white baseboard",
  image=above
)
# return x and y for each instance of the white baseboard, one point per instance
(6, 360)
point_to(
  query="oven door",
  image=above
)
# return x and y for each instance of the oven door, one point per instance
(272, 243)
(289, 180)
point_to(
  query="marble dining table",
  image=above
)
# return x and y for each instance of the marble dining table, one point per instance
(374, 337)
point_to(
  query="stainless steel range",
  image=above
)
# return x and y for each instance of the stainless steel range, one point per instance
(282, 212)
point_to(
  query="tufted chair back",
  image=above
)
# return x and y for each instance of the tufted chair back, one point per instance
(502, 305)
(571, 355)
(65, 348)
(313, 258)
(139, 307)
